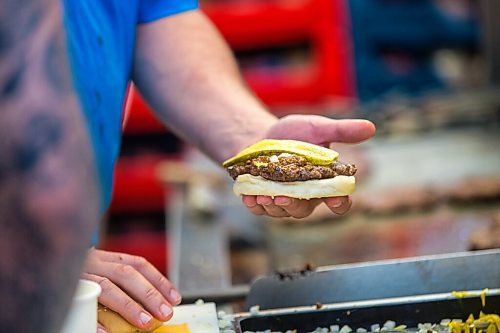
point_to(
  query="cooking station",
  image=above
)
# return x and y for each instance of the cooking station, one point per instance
(408, 311)
(407, 292)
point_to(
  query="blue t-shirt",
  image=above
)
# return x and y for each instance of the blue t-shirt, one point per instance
(101, 39)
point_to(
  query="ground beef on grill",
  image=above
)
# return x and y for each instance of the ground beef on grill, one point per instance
(290, 168)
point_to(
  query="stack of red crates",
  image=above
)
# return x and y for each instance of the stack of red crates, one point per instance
(246, 25)
(325, 24)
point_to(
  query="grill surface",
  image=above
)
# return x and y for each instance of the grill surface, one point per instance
(407, 311)
(378, 280)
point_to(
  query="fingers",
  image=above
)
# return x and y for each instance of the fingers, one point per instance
(130, 283)
(270, 207)
(263, 205)
(291, 207)
(101, 329)
(280, 206)
(114, 298)
(339, 205)
(297, 208)
(137, 286)
(150, 272)
(322, 130)
(251, 202)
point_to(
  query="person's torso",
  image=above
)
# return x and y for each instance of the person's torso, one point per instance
(101, 38)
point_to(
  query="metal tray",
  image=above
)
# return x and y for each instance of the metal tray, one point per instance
(408, 311)
(428, 275)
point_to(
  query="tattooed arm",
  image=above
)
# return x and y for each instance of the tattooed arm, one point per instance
(48, 192)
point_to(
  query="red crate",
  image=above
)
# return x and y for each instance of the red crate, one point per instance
(324, 23)
(151, 245)
(139, 118)
(136, 186)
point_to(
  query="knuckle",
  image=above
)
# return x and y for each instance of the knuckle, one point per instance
(163, 281)
(297, 204)
(279, 213)
(258, 210)
(343, 210)
(152, 294)
(130, 305)
(139, 261)
(106, 285)
(301, 215)
(124, 270)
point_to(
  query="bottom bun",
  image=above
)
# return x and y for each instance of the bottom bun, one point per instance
(315, 188)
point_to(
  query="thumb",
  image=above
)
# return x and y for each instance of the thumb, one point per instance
(101, 328)
(321, 130)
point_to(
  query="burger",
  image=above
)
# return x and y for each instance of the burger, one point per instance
(290, 168)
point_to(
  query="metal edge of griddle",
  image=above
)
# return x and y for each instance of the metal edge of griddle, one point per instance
(357, 305)
(379, 279)
(369, 303)
(432, 257)
(234, 293)
(198, 259)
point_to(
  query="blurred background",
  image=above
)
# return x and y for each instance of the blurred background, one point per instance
(427, 72)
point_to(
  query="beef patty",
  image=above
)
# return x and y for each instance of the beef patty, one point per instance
(289, 168)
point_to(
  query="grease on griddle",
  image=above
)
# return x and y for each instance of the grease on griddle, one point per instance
(293, 274)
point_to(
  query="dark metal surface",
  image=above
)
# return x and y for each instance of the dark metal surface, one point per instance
(425, 310)
(377, 280)
(491, 38)
(198, 257)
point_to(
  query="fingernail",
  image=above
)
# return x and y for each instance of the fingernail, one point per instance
(145, 318)
(100, 330)
(174, 294)
(284, 202)
(337, 204)
(165, 310)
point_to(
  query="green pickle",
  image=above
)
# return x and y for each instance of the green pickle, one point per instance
(312, 153)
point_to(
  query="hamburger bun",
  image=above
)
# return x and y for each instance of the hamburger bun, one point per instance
(316, 188)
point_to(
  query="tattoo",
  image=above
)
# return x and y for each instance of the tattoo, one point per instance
(48, 193)
(19, 27)
(12, 82)
(4, 41)
(43, 132)
(53, 60)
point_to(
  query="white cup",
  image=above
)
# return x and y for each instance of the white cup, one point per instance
(82, 316)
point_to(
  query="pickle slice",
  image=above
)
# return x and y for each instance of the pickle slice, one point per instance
(312, 153)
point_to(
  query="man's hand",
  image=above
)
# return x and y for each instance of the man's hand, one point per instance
(131, 286)
(318, 130)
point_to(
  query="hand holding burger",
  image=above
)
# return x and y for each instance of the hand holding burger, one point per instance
(320, 131)
(290, 168)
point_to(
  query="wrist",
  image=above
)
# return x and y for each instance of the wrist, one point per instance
(250, 130)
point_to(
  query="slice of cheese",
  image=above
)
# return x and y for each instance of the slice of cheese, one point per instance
(114, 323)
(181, 328)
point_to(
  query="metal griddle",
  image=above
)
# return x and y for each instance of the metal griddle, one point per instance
(409, 291)
(378, 279)
(409, 311)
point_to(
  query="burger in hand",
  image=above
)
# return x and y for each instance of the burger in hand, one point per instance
(290, 168)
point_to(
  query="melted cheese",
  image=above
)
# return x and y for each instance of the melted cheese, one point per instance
(181, 328)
